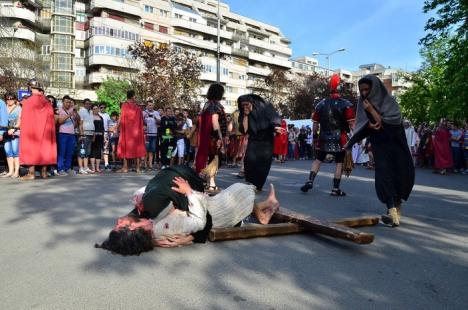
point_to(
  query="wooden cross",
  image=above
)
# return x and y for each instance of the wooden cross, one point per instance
(290, 222)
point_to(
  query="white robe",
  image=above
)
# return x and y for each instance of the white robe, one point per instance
(228, 208)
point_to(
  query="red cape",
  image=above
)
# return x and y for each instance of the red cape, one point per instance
(131, 139)
(37, 145)
(281, 141)
(205, 126)
(442, 151)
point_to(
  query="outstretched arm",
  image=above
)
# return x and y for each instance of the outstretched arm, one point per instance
(173, 241)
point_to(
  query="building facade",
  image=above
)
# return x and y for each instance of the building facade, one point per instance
(84, 42)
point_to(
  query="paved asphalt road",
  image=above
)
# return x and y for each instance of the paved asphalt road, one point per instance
(48, 229)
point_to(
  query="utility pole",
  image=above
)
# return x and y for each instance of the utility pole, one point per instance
(218, 61)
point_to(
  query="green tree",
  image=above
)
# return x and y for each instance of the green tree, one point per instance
(113, 92)
(170, 75)
(445, 50)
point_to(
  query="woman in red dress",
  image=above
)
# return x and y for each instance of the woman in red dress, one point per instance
(442, 151)
(281, 143)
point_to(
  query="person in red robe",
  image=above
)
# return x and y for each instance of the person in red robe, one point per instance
(38, 146)
(131, 140)
(212, 130)
(442, 151)
(281, 143)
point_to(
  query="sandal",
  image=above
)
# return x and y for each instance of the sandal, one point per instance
(337, 192)
(213, 189)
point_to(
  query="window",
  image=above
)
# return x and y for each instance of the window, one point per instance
(178, 16)
(81, 17)
(80, 72)
(62, 43)
(162, 29)
(225, 71)
(163, 13)
(62, 62)
(45, 50)
(62, 24)
(149, 26)
(148, 9)
(63, 6)
(193, 20)
(207, 68)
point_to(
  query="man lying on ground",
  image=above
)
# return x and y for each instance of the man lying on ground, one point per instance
(173, 226)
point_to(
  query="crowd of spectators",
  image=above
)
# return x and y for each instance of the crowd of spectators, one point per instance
(88, 137)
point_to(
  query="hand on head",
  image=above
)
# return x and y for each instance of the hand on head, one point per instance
(182, 186)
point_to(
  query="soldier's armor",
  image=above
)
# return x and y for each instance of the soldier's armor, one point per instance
(332, 122)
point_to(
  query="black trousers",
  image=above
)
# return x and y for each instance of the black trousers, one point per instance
(257, 162)
(394, 168)
(164, 147)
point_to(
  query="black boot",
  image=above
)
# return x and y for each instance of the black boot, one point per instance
(336, 191)
(310, 183)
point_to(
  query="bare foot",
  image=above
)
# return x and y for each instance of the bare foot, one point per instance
(265, 209)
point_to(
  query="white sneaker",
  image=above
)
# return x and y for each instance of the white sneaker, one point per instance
(71, 172)
(82, 171)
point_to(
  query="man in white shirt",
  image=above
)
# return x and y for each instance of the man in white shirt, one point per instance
(187, 127)
(151, 118)
(86, 136)
(106, 147)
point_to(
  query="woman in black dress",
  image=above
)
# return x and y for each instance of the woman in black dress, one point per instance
(98, 141)
(378, 116)
(260, 121)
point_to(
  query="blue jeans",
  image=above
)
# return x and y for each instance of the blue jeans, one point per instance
(12, 147)
(291, 150)
(67, 144)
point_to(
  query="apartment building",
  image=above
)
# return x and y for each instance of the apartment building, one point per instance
(84, 42)
(391, 77)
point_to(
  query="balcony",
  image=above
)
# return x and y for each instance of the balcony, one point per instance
(107, 60)
(258, 71)
(241, 38)
(97, 77)
(281, 62)
(240, 52)
(211, 76)
(124, 7)
(20, 33)
(270, 46)
(202, 44)
(19, 13)
(182, 23)
(113, 23)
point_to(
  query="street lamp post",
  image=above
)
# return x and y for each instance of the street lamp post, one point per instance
(218, 61)
(327, 56)
(12, 43)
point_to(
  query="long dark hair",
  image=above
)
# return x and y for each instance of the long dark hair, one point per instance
(128, 242)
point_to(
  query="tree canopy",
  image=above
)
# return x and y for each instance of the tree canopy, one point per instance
(440, 87)
(113, 92)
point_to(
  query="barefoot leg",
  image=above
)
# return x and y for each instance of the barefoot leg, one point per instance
(264, 210)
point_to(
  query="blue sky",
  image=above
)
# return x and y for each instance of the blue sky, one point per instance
(381, 31)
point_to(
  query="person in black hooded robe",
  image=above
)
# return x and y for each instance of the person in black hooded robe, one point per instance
(260, 121)
(378, 117)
